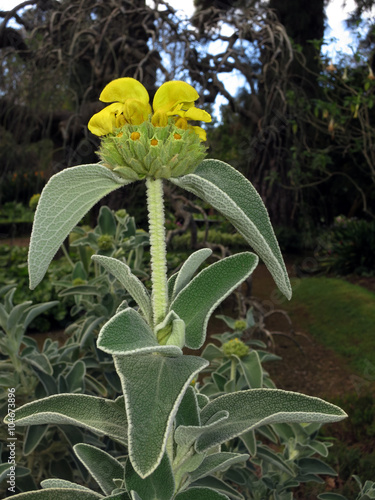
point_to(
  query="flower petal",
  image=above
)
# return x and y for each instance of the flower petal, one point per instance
(104, 122)
(122, 89)
(200, 132)
(194, 113)
(159, 119)
(172, 93)
(136, 112)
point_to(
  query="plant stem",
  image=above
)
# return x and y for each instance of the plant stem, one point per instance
(233, 367)
(65, 252)
(155, 206)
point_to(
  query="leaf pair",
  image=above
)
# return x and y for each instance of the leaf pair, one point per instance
(70, 194)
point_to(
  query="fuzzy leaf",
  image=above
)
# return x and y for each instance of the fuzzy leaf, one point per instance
(185, 435)
(255, 407)
(195, 303)
(158, 485)
(62, 483)
(36, 310)
(101, 416)
(58, 493)
(219, 486)
(309, 465)
(198, 493)
(331, 496)
(229, 192)
(252, 369)
(265, 453)
(153, 386)
(188, 269)
(34, 435)
(127, 333)
(102, 466)
(217, 462)
(129, 281)
(40, 361)
(65, 199)
(75, 377)
(188, 411)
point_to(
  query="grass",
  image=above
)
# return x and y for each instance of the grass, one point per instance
(339, 315)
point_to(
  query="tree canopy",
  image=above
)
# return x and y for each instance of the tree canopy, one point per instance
(295, 128)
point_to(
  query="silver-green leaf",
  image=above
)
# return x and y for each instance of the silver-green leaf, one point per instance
(153, 386)
(101, 416)
(127, 333)
(58, 493)
(129, 281)
(65, 199)
(158, 485)
(256, 407)
(196, 302)
(102, 466)
(188, 269)
(229, 192)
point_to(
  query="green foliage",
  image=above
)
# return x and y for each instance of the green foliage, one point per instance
(235, 240)
(235, 197)
(87, 182)
(352, 450)
(24, 168)
(95, 293)
(15, 212)
(33, 372)
(14, 321)
(176, 436)
(349, 247)
(285, 453)
(13, 271)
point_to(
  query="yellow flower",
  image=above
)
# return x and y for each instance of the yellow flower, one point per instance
(130, 105)
(177, 99)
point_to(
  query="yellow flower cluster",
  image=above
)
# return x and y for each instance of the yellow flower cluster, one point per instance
(130, 106)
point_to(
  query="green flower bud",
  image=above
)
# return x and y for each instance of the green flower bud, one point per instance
(78, 281)
(139, 151)
(235, 347)
(105, 242)
(240, 324)
(121, 213)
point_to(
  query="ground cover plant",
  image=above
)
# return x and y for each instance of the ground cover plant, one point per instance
(321, 300)
(167, 439)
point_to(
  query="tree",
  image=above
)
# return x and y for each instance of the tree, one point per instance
(75, 47)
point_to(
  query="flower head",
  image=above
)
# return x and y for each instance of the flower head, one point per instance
(240, 324)
(130, 105)
(235, 347)
(137, 145)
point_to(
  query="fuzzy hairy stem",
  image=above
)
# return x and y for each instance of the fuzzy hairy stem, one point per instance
(155, 206)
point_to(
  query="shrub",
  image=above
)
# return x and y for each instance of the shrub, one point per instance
(350, 247)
